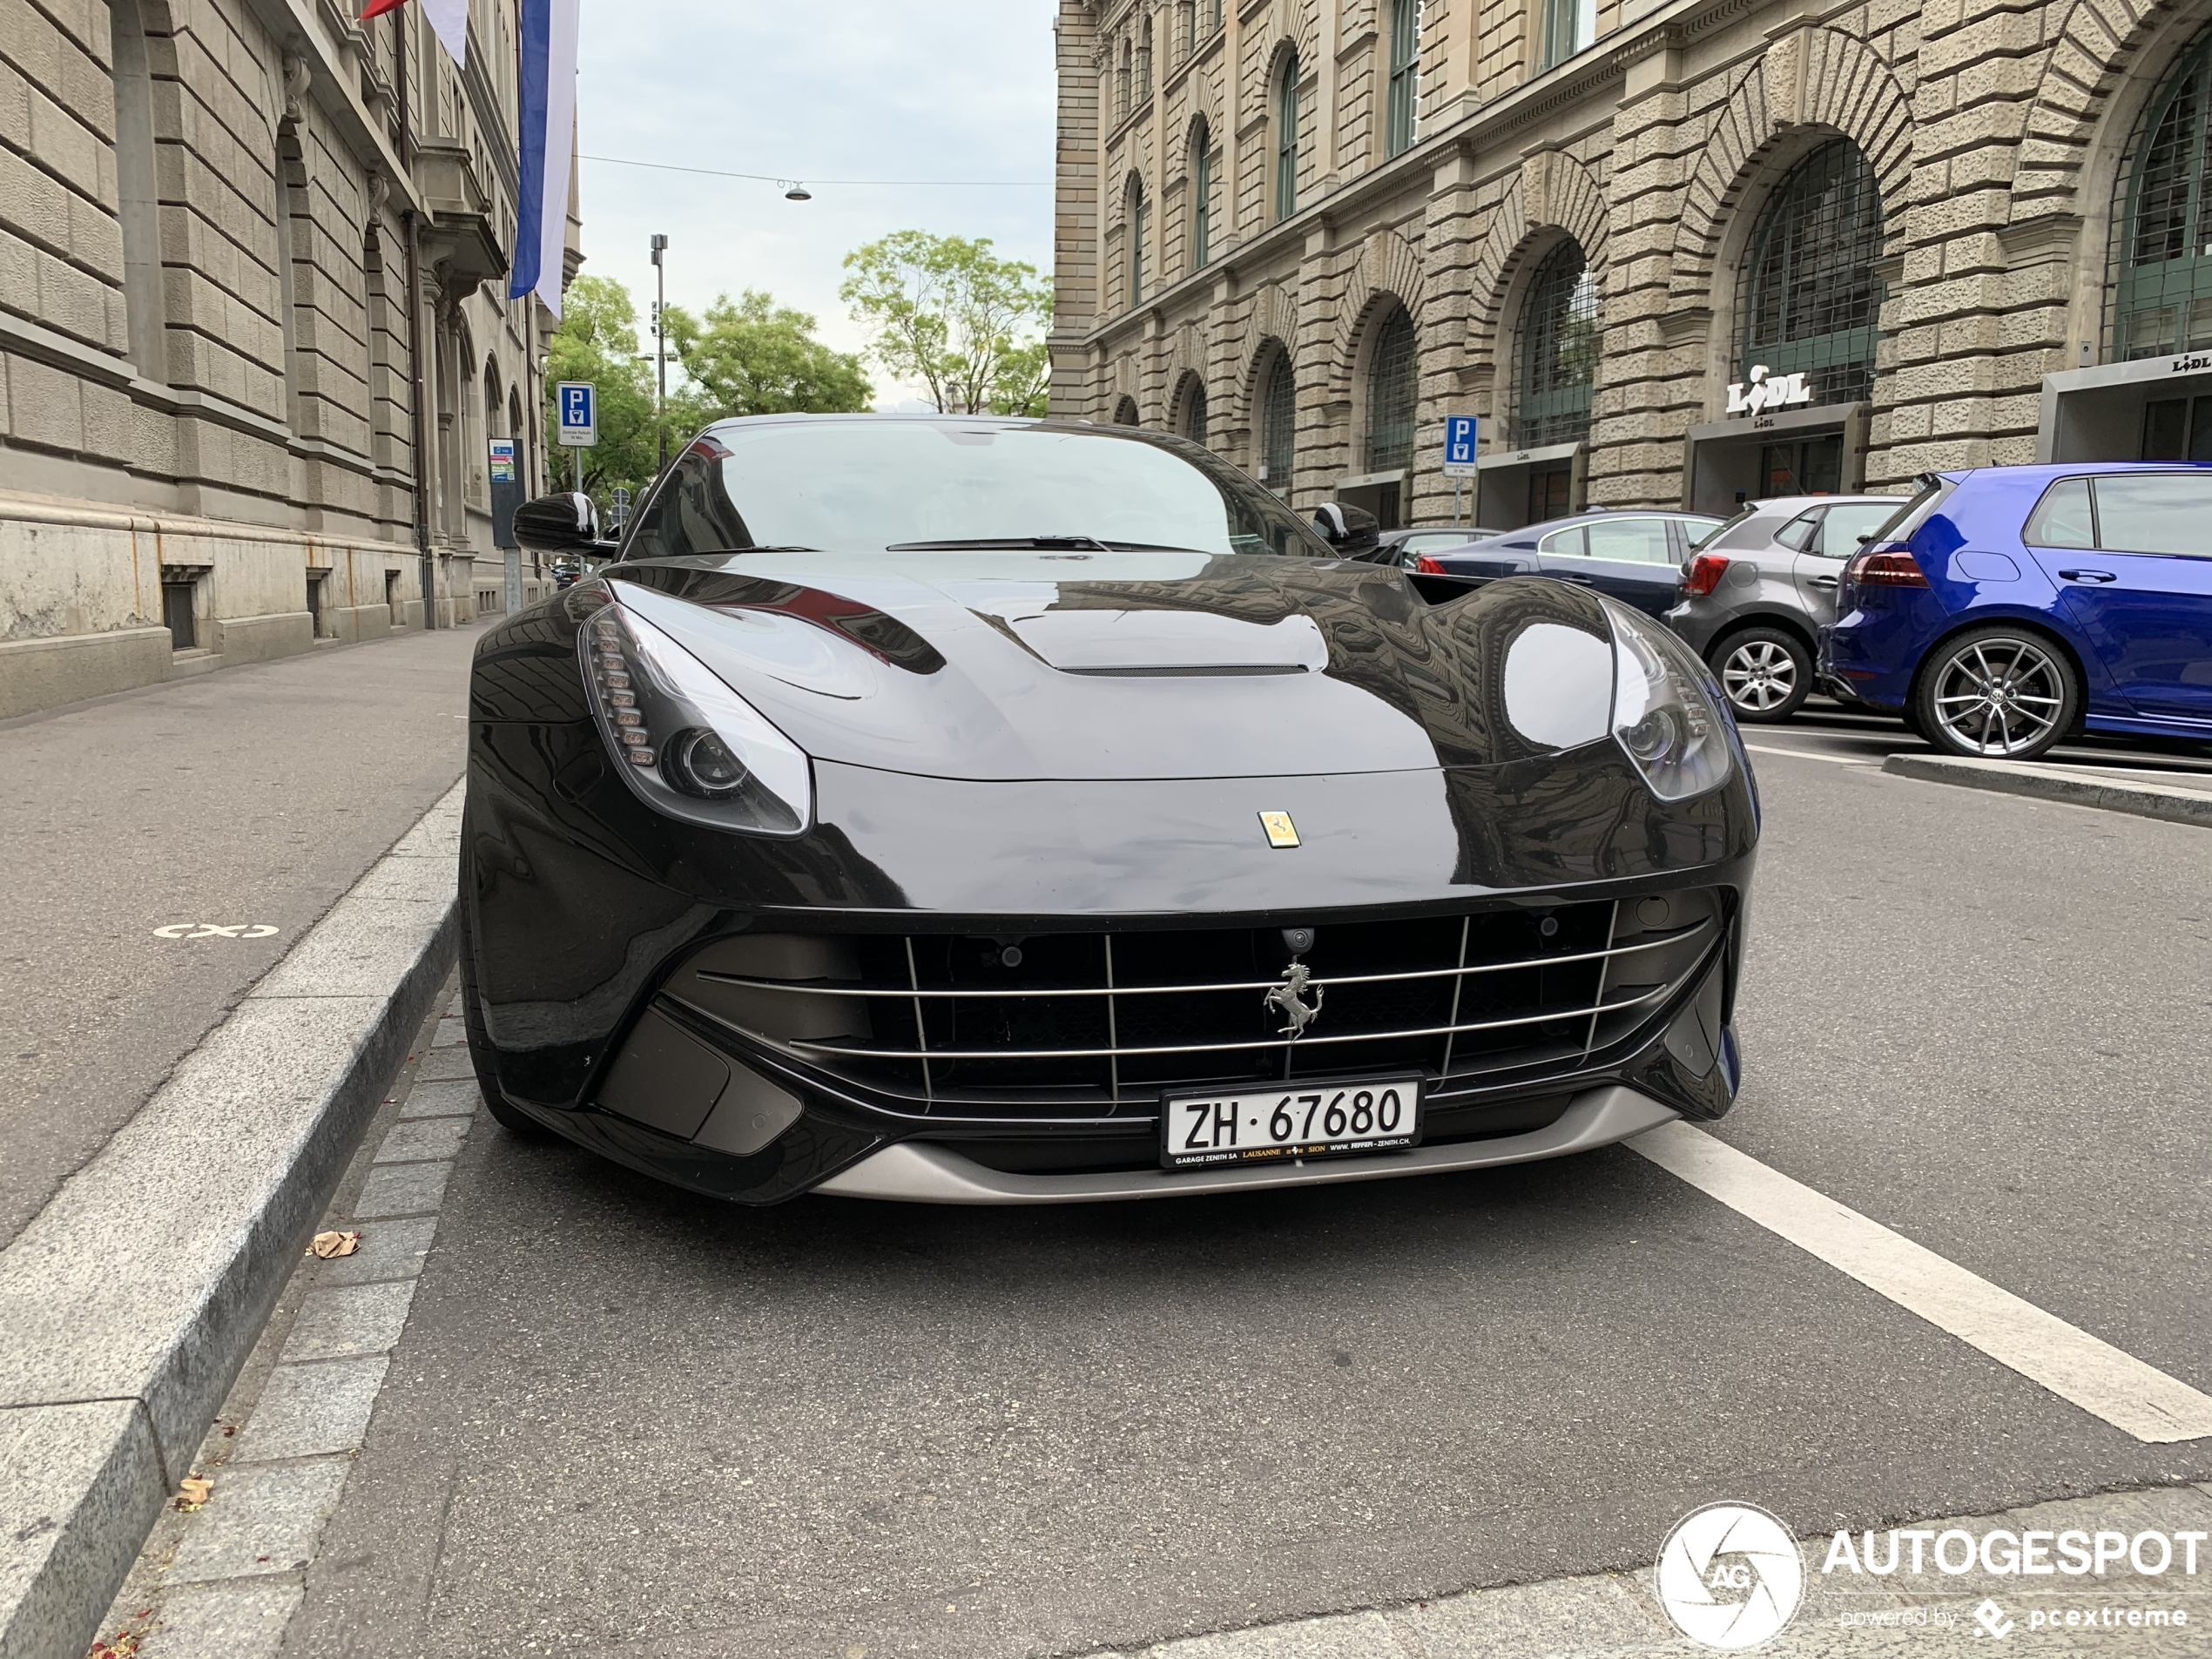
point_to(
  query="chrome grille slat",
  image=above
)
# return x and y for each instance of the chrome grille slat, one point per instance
(1459, 984)
(814, 988)
(1557, 1016)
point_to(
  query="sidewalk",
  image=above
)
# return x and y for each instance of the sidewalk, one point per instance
(247, 800)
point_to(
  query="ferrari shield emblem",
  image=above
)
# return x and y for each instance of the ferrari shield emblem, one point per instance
(1280, 831)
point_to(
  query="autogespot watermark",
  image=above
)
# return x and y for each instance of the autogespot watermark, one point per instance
(1731, 1576)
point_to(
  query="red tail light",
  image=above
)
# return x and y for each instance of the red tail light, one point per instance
(1705, 573)
(1427, 566)
(1885, 570)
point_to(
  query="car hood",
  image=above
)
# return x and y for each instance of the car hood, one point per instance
(993, 666)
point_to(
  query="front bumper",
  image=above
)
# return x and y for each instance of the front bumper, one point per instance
(920, 1172)
(819, 1135)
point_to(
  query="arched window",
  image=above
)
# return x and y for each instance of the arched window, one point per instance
(2165, 253)
(1557, 351)
(1190, 418)
(1201, 196)
(1279, 423)
(1121, 83)
(1135, 216)
(1405, 74)
(1187, 17)
(1809, 300)
(1393, 393)
(1125, 412)
(1286, 114)
(1144, 62)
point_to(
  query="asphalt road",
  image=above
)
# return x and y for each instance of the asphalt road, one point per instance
(249, 798)
(623, 1420)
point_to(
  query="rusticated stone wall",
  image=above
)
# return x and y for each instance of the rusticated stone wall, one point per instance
(1997, 130)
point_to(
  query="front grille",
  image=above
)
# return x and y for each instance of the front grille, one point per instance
(1100, 1024)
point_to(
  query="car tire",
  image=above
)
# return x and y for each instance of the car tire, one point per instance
(504, 1113)
(1997, 693)
(1765, 673)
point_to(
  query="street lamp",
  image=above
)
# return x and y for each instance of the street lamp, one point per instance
(660, 346)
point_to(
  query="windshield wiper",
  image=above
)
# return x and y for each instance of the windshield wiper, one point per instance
(993, 543)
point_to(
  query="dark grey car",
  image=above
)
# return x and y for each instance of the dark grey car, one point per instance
(1757, 593)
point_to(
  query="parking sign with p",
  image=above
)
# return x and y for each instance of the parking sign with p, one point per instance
(577, 403)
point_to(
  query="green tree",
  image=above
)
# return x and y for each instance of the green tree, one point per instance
(756, 357)
(947, 312)
(597, 341)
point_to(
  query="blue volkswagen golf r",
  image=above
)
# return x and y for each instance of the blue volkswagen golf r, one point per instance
(2006, 608)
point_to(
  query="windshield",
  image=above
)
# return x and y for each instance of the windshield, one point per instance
(871, 485)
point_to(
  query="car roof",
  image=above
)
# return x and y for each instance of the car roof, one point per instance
(2041, 470)
(1798, 503)
(925, 418)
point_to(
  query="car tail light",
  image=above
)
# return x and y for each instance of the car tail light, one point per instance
(1428, 566)
(1704, 574)
(1885, 570)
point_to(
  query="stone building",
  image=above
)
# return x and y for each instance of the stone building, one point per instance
(1671, 254)
(253, 337)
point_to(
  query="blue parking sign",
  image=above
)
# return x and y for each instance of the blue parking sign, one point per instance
(1460, 438)
(577, 403)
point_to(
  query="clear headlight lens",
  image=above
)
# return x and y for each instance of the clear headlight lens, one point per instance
(1671, 726)
(690, 746)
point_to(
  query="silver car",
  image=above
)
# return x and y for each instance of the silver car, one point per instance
(1757, 593)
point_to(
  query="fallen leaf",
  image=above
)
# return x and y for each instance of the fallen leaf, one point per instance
(329, 1244)
(191, 1492)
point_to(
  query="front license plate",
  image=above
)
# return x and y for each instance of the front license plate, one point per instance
(1292, 1120)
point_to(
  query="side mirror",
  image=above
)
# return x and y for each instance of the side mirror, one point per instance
(1351, 530)
(563, 523)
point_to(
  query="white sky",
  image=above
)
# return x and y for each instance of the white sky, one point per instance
(812, 90)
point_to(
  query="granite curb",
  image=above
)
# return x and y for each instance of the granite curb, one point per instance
(131, 1300)
(2072, 786)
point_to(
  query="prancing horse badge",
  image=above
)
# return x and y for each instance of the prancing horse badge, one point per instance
(1280, 831)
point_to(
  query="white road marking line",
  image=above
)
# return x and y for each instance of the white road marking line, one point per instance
(1809, 754)
(2136, 1398)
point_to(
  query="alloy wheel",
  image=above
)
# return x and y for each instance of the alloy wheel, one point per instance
(2000, 696)
(1759, 676)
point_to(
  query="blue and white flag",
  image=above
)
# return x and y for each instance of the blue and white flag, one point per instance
(548, 133)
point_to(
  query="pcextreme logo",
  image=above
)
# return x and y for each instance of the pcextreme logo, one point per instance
(1731, 1576)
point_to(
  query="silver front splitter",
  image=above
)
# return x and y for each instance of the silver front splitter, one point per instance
(917, 1172)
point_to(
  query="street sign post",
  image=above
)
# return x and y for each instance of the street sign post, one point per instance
(1460, 434)
(576, 404)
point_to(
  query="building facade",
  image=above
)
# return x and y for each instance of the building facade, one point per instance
(255, 341)
(1672, 254)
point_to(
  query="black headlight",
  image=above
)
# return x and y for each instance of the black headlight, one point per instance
(692, 747)
(1663, 717)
